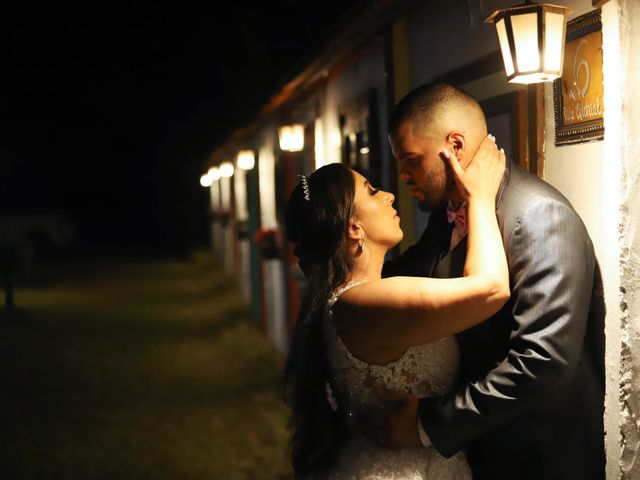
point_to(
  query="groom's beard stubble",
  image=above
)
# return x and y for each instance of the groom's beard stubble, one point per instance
(437, 192)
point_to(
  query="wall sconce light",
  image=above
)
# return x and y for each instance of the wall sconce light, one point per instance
(291, 137)
(205, 180)
(214, 174)
(226, 169)
(246, 159)
(532, 38)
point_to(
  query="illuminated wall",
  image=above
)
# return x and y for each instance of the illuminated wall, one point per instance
(590, 182)
(602, 180)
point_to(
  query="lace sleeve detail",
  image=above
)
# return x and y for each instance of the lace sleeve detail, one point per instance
(422, 370)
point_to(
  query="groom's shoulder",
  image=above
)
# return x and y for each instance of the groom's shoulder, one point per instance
(530, 201)
(524, 189)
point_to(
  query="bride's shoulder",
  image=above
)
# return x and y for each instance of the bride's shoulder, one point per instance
(391, 292)
(345, 297)
(350, 290)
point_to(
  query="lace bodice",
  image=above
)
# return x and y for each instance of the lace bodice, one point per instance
(422, 370)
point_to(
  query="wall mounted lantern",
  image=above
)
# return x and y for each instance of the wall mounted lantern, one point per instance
(291, 137)
(205, 180)
(532, 38)
(226, 169)
(214, 174)
(246, 159)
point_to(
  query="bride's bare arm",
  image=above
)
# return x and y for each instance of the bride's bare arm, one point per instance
(398, 312)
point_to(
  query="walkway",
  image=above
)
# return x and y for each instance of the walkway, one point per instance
(146, 369)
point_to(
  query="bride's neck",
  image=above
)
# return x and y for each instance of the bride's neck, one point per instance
(367, 265)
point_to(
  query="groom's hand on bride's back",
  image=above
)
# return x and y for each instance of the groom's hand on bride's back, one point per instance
(395, 423)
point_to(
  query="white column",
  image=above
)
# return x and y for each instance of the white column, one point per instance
(272, 270)
(225, 193)
(240, 192)
(319, 144)
(621, 43)
(267, 184)
(275, 304)
(216, 232)
(229, 236)
(242, 215)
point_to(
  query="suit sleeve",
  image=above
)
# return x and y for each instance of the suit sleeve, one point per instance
(551, 264)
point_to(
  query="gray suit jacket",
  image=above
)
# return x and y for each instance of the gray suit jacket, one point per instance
(529, 403)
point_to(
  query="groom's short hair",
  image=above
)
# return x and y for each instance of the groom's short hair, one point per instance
(427, 105)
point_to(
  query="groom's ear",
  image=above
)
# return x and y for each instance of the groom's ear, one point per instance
(457, 143)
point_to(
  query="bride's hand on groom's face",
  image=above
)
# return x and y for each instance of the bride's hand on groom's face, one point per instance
(395, 423)
(482, 177)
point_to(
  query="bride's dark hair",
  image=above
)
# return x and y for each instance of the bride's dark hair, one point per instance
(317, 222)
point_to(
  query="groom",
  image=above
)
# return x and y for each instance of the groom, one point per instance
(529, 401)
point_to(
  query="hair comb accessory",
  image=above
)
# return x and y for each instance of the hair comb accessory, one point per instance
(305, 187)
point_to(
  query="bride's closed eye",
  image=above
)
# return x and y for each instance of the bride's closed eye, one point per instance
(372, 190)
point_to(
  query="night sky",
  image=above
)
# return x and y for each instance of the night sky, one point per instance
(110, 111)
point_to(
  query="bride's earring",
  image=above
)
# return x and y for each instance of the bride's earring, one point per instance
(361, 244)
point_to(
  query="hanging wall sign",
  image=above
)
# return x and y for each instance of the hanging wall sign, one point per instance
(578, 94)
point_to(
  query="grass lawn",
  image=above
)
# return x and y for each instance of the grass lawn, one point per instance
(138, 370)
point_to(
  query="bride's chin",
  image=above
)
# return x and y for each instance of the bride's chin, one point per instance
(392, 243)
(397, 242)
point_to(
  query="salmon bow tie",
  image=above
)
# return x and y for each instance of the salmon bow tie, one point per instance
(459, 216)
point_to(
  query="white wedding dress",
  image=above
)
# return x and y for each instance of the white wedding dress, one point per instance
(423, 370)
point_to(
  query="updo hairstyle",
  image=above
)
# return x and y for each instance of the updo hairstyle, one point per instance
(317, 220)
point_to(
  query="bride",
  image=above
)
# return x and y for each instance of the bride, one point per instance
(358, 333)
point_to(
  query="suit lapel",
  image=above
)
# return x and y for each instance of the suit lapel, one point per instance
(452, 265)
(503, 183)
(438, 235)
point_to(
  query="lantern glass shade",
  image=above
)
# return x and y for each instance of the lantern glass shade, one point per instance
(525, 36)
(554, 36)
(214, 174)
(246, 160)
(291, 138)
(504, 46)
(205, 180)
(226, 169)
(532, 38)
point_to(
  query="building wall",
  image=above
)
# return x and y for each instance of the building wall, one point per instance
(450, 37)
(600, 178)
(590, 181)
(367, 71)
